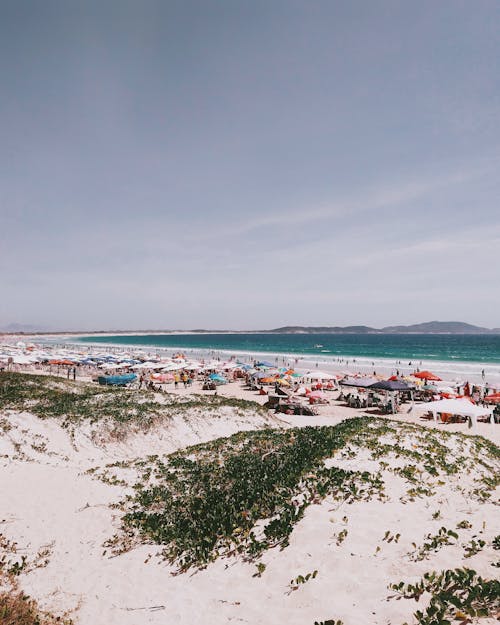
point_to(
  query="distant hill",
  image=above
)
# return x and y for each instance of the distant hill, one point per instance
(325, 330)
(438, 327)
(430, 327)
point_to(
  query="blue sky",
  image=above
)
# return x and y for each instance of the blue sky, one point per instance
(237, 164)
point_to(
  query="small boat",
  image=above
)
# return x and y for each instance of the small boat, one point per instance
(116, 380)
(318, 346)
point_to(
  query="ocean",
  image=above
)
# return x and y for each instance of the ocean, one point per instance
(456, 355)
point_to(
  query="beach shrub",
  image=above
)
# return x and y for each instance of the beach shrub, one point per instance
(244, 494)
(240, 495)
(76, 402)
(434, 543)
(456, 595)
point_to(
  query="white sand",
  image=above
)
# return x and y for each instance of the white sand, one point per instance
(47, 499)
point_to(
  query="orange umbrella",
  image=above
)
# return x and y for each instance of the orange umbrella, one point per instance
(427, 375)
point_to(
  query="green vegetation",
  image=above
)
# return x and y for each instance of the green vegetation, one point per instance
(261, 567)
(13, 564)
(391, 537)
(340, 537)
(210, 499)
(456, 594)
(473, 546)
(76, 402)
(434, 543)
(301, 579)
(244, 494)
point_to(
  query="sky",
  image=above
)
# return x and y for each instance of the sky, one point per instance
(243, 164)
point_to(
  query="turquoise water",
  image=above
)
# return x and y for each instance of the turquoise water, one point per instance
(405, 347)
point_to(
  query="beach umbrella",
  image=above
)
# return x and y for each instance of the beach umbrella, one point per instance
(358, 382)
(319, 375)
(264, 363)
(162, 377)
(317, 395)
(427, 375)
(492, 399)
(215, 377)
(172, 367)
(264, 374)
(447, 389)
(430, 387)
(283, 382)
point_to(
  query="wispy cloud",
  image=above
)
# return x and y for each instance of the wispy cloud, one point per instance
(397, 193)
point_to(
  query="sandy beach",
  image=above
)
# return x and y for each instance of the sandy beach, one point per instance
(52, 505)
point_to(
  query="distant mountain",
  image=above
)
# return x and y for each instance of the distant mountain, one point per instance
(325, 330)
(437, 327)
(430, 327)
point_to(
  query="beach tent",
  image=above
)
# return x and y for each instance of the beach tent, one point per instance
(391, 385)
(455, 406)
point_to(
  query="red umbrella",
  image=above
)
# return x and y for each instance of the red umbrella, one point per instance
(492, 399)
(427, 375)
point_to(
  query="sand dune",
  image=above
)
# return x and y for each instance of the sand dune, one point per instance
(51, 504)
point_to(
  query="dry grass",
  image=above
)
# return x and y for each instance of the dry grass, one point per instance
(16, 608)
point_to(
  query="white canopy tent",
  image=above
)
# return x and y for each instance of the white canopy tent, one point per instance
(455, 406)
(319, 375)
